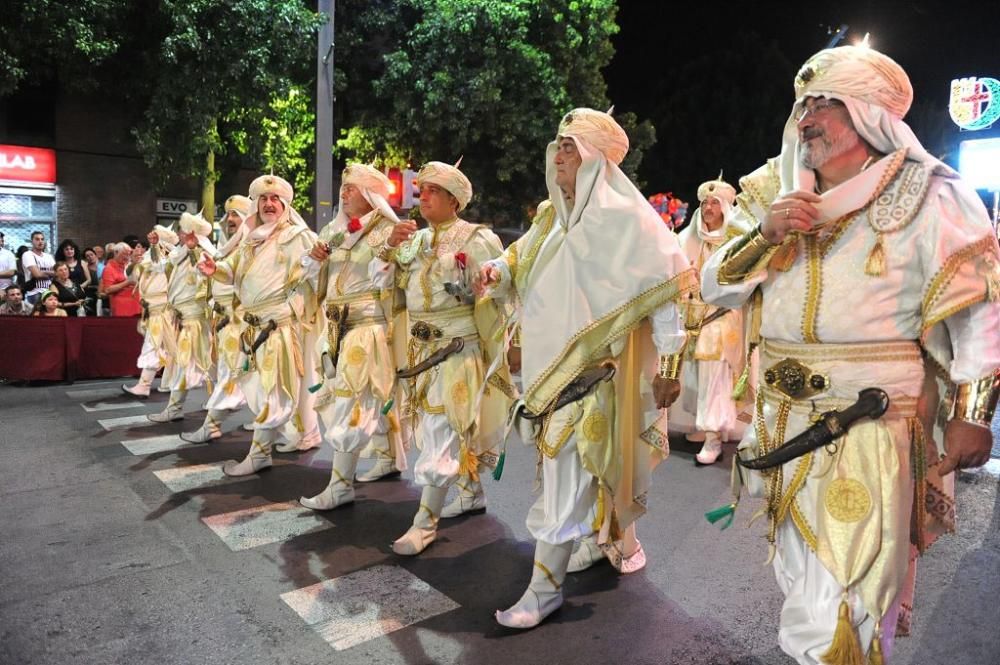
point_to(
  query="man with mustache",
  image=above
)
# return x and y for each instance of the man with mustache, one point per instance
(264, 268)
(870, 264)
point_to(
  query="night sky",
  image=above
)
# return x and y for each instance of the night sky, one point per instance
(934, 41)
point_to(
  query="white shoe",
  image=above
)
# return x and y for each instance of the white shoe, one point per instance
(250, 465)
(249, 427)
(544, 593)
(138, 390)
(383, 468)
(302, 443)
(201, 435)
(424, 529)
(585, 556)
(166, 416)
(710, 451)
(340, 490)
(162, 388)
(465, 503)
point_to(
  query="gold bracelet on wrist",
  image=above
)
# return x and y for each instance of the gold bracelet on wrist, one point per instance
(670, 366)
(976, 402)
(748, 255)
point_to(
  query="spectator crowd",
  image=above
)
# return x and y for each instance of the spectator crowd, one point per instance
(94, 281)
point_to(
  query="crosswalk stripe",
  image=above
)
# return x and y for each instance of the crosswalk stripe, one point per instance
(110, 406)
(186, 478)
(262, 525)
(92, 394)
(156, 444)
(125, 422)
(360, 606)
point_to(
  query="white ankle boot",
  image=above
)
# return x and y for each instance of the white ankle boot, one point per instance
(471, 499)
(710, 451)
(173, 410)
(209, 429)
(340, 491)
(300, 442)
(586, 555)
(544, 593)
(383, 468)
(257, 459)
(424, 529)
(141, 389)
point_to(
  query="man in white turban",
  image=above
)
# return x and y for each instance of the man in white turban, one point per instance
(227, 395)
(598, 276)
(156, 322)
(265, 269)
(451, 344)
(356, 400)
(187, 294)
(869, 264)
(716, 347)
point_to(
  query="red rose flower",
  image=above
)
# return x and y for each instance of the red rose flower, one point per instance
(460, 260)
(354, 225)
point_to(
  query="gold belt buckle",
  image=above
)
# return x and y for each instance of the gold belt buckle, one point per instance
(792, 378)
(333, 312)
(425, 331)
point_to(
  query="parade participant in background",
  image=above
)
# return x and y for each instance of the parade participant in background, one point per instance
(157, 322)
(457, 432)
(716, 350)
(598, 276)
(360, 376)
(187, 294)
(226, 324)
(264, 268)
(867, 255)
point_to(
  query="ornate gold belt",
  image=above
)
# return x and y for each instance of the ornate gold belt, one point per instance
(425, 332)
(795, 379)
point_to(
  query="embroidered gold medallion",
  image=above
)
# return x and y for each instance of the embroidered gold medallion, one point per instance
(847, 500)
(595, 427)
(356, 355)
(460, 393)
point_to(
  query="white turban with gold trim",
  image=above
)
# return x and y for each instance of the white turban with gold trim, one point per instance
(718, 188)
(598, 129)
(165, 235)
(242, 205)
(195, 224)
(367, 177)
(272, 184)
(448, 177)
(859, 72)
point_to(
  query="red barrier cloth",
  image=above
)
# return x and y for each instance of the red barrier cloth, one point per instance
(64, 348)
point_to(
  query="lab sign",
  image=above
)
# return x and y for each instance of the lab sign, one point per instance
(27, 164)
(174, 207)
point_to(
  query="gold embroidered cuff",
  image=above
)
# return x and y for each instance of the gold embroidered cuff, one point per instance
(748, 255)
(977, 401)
(670, 366)
(387, 254)
(515, 338)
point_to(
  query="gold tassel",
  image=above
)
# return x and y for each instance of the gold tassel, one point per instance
(230, 387)
(875, 652)
(845, 648)
(875, 264)
(208, 386)
(785, 256)
(740, 389)
(355, 415)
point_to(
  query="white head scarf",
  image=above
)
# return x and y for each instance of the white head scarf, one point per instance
(243, 207)
(270, 184)
(374, 187)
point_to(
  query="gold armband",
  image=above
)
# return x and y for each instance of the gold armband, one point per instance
(670, 366)
(977, 401)
(748, 255)
(387, 254)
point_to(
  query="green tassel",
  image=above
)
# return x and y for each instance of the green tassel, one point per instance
(315, 389)
(387, 407)
(246, 365)
(498, 470)
(740, 389)
(728, 512)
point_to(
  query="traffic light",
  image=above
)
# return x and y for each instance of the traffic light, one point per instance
(395, 188)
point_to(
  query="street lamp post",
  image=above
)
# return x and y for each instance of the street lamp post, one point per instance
(324, 117)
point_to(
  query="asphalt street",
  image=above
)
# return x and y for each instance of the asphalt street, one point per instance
(121, 545)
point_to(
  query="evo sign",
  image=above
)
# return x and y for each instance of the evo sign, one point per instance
(174, 207)
(27, 164)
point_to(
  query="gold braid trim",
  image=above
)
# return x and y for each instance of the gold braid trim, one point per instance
(746, 257)
(816, 251)
(942, 279)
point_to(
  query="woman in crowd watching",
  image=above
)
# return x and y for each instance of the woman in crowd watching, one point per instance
(69, 253)
(70, 294)
(115, 284)
(48, 305)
